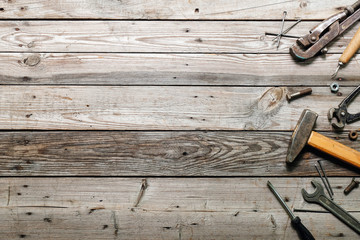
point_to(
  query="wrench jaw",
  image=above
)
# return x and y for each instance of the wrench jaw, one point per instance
(311, 44)
(313, 197)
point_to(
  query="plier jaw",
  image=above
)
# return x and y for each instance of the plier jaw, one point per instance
(337, 117)
(340, 116)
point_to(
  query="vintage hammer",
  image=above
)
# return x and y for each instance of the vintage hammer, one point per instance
(303, 134)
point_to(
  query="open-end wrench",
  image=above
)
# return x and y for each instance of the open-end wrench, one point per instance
(320, 198)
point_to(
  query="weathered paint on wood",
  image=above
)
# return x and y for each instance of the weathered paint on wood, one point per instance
(191, 9)
(153, 36)
(126, 153)
(169, 208)
(160, 108)
(172, 69)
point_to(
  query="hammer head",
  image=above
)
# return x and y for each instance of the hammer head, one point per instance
(301, 134)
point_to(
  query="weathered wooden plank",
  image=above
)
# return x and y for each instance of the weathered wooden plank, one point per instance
(161, 154)
(171, 69)
(192, 9)
(161, 108)
(152, 36)
(169, 208)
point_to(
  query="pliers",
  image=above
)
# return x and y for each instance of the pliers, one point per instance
(339, 116)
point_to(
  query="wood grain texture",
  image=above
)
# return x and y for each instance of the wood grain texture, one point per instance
(172, 69)
(192, 9)
(153, 36)
(161, 108)
(170, 208)
(172, 153)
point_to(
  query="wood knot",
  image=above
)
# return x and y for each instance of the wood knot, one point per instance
(303, 4)
(271, 99)
(32, 60)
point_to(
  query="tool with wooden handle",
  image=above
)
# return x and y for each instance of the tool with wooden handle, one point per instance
(350, 50)
(303, 134)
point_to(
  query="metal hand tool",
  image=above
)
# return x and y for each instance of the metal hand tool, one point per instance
(326, 186)
(281, 30)
(295, 221)
(320, 198)
(322, 34)
(349, 52)
(304, 134)
(326, 178)
(339, 116)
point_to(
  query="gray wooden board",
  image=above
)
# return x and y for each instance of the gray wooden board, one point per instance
(172, 69)
(162, 79)
(128, 153)
(169, 208)
(191, 9)
(154, 36)
(161, 108)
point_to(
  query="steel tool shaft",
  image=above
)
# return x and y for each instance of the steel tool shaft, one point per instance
(349, 52)
(320, 198)
(304, 233)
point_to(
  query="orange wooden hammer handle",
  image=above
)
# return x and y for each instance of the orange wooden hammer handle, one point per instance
(334, 148)
(351, 49)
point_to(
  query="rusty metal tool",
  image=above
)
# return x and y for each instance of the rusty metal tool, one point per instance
(326, 178)
(321, 35)
(304, 134)
(340, 116)
(322, 179)
(320, 198)
(303, 232)
(349, 52)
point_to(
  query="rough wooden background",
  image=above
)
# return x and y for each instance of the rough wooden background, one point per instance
(163, 119)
